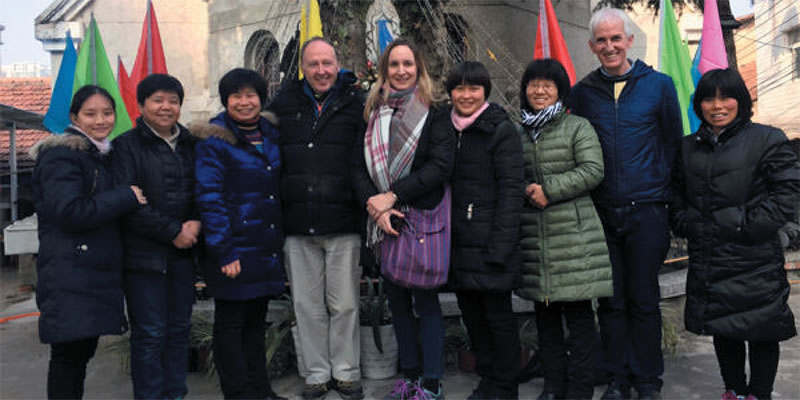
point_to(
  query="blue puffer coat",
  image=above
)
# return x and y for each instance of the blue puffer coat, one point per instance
(79, 290)
(640, 133)
(237, 195)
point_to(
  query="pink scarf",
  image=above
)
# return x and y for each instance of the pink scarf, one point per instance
(461, 122)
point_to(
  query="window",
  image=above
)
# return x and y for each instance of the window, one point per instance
(794, 46)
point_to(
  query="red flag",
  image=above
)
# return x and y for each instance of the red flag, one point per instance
(126, 90)
(150, 57)
(549, 40)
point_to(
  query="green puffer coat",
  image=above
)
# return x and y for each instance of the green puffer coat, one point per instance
(564, 251)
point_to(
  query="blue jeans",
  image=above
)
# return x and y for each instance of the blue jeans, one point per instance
(630, 321)
(160, 311)
(431, 328)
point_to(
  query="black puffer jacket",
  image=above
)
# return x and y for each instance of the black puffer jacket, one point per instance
(488, 193)
(166, 178)
(432, 166)
(79, 291)
(316, 150)
(732, 196)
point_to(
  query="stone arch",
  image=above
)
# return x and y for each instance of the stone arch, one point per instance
(262, 54)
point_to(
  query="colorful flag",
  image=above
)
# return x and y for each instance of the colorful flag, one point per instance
(310, 26)
(549, 40)
(713, 55)
(693, 120)
(126, 90)
(92, 68)
(674, 60)
(384, 35)
(150, 56)
(57, 117)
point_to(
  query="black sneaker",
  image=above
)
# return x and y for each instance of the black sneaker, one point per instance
(348, 390)
(648, 394)
(485, 390)
(314, 391)
(615, 391)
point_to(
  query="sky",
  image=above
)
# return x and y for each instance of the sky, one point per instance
(19, 44)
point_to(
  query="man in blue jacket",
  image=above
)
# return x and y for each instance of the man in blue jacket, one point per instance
(635, 112)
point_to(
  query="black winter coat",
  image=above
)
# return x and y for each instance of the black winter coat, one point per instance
(488, 193)
(166, 177)
(432, 166)
(79, 289)
(316, 190)
(732, 196)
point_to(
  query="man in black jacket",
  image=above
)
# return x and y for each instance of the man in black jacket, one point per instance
(320, 119)
(158, 156)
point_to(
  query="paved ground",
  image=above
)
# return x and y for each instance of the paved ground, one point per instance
(691, 373)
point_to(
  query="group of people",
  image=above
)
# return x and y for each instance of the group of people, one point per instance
(574, 205)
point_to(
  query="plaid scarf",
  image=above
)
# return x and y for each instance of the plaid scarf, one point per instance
(390, 143)
(535, 121)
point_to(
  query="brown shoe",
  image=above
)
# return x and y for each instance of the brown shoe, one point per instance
(314, 391)
(349, 390)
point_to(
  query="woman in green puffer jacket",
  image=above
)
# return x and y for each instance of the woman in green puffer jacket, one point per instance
(565, 260)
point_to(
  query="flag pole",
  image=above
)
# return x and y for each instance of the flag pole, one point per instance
(149, 20)
(92, 49)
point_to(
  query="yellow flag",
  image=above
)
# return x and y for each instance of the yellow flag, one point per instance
(310, 26)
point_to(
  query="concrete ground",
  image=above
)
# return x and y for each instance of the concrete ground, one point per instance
(691, 373)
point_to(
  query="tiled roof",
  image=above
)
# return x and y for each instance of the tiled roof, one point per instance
(30, 94)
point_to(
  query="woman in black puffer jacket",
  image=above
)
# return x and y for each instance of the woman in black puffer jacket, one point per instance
(737, 183)
(488, 189)
(80, 248)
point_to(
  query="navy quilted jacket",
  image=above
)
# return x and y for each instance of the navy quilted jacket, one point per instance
(236, 193)
(640, 133)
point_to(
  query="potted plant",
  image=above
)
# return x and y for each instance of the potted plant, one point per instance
(378, 342)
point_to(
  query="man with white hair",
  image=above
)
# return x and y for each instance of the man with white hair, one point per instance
(635, 112)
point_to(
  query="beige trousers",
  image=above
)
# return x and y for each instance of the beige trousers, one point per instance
(324, 274)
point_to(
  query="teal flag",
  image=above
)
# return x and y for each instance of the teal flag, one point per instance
(57, 117)
(674, 60)
(93, 68)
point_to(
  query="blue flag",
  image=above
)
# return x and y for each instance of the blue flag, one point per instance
(694, 121)
(384, 35)
(57, 117)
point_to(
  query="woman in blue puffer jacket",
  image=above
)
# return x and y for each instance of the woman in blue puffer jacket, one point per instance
(238, 182)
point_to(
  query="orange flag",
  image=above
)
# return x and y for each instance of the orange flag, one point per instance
(127, 91)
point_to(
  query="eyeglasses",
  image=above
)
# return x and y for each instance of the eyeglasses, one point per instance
(543, 86)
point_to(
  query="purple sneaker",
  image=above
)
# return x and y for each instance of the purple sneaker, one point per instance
(403, 390)
(730, 395)
(425, 394)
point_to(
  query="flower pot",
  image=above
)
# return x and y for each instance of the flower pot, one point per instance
(374, 364)
(466, 361)
(298, 349)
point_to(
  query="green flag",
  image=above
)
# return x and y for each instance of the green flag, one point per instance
(674, 60)
(92, 68)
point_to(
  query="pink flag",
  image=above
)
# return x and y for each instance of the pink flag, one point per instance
(712, 54)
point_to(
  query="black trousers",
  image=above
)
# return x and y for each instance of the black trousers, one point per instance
(494, 339)
(763, 365)
(239, 349)
(68, 368)
(568, 364)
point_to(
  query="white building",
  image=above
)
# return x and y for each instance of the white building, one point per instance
(25, 70)
(777, 34)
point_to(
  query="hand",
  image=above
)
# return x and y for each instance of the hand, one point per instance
(385, 223)
(232, 270)
(379, 204)
(536, 195)
(139, 195)
(188, 235)
(194, 226)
